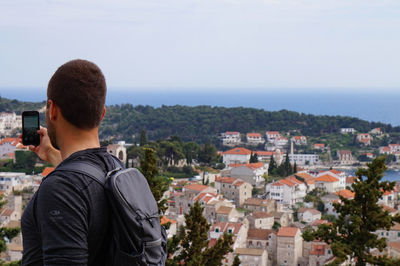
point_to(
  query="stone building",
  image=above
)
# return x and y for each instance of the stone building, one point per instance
(289, 246)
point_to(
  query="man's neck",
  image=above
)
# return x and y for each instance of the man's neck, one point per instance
(78, 140)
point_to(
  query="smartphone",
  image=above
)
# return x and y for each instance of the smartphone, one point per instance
(30, 126)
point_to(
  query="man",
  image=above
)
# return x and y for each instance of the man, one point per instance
(67, 220)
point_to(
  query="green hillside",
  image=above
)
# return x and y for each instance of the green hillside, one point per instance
(204, 123)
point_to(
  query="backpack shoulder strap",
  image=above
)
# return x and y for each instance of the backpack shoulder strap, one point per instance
(86, 168)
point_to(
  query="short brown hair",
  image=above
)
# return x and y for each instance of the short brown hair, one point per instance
(79, 88)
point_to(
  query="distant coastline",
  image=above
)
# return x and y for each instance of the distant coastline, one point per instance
(378, 107)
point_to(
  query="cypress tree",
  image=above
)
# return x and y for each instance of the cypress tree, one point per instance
(272, 166)
(157, 185)
(236, 261)
(194, 244)
(287, 166)
(294, 168)
(353, 235)
(143, 138)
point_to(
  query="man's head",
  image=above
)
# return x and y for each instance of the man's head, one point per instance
(78, 89)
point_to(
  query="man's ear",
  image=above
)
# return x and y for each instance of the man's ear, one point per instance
(103, 114)
(53, 110)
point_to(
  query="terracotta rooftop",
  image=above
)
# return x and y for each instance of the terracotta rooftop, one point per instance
(6, 211)
(326, 178)
(288, 231)
(318, 222)
(248, 165)
(345, 193)
(47, 171)
(336, 172)
(250, 251)
(224, 227)
(260, 234)
(264, 153)
(260, 215)
(305, 176)
(256, 201)
(351, 179)
(239, 151)
(195, 187)
(273, 133)
(318, 249)
(254, 135)
(232, 133)
(165, 220)
(225, 179)
(224, 210)
(394, 245)
(395, 227)
(313, 211)
(238, 183)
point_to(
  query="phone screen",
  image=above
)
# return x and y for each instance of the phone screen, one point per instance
(30, 126)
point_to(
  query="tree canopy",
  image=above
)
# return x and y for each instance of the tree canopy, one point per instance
(353, 233)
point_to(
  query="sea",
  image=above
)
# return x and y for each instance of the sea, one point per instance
(390, 175)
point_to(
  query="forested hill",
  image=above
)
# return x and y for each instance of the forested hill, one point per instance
(7, 105)
(204, 123)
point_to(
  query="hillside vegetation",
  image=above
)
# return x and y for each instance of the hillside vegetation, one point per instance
(204, 123)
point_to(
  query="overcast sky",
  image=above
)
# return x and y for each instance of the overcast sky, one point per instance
(343, 45)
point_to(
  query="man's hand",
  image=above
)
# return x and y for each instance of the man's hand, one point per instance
(45, 150)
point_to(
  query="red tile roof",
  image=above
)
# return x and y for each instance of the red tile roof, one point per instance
(336, 172)
(261, 215)
(238, 183)
(326, 178)
(232, 133)
(224, 210)
(47, 171)
(345, 193)
(254, 135)
(351, 179)
(225, 179)
(249, 165)
(264, 153)
(318, 222)
(7, 211)
(259, 234)
(320, 145)
(318, 249)
(165, 220)
(273, 133)
(195, 187)
(288, 231)
(313, 211)
(239, 151)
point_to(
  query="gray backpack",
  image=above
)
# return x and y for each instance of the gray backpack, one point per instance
(138, 237)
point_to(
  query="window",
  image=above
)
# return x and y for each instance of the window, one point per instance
(387, 233)
(223, 185)
(188, 204)
(233, 193)
(329, 251)
(216, 230)
(245, 193)
(382, 234)
(229, 186)
(230, 231)
(398, 234)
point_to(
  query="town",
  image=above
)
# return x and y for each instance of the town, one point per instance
(266, 210)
